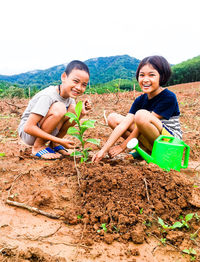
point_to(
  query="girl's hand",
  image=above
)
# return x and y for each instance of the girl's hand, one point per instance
(87, 106)
(97, 157)
(115, 150)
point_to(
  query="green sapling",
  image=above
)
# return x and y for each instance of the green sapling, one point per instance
(79, 131)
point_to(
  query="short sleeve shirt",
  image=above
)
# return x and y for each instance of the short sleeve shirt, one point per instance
(164, 104)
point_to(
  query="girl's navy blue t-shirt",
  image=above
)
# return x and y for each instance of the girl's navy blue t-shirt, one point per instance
(164, 104)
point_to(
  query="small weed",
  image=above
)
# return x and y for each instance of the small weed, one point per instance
(141, 210)
(2, 154)
(177, 224)
(79, 217)
(116, 229)
(163, 241)
(192, 252)
(103, 226)
(197, 217)
(147, 223)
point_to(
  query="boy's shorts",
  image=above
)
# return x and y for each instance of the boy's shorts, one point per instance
(146, 143)
(30, 140)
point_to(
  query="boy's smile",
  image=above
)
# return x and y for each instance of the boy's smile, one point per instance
(74, 84)
(149, 81)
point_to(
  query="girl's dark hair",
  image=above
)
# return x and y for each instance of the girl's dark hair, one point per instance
(76, 64)
(160, 64)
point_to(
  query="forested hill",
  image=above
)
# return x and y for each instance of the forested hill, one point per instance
(102, 70)
(105, 69)
(185, 72)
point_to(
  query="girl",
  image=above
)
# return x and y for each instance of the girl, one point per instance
(153, 113)
(44, 118)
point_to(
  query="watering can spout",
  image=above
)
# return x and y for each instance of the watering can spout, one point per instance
(133, 144)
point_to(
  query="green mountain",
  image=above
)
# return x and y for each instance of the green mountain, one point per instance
(102, 70)
(185, 72)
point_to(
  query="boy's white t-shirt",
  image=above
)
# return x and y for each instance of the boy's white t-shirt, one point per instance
(41, 103)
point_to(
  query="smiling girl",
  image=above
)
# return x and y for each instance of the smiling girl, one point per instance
(153, 113)
(44, 118)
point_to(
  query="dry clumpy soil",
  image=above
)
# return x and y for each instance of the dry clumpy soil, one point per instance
(102, 212)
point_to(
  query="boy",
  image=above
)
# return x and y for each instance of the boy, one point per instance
(44, 118)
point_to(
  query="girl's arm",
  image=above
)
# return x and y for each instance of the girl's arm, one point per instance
(117, 132)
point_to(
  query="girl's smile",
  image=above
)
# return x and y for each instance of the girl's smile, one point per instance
(149, 79)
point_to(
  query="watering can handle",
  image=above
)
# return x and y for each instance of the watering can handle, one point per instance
(186, 160)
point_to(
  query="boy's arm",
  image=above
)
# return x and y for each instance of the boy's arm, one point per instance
(32, 129)
(117, 132)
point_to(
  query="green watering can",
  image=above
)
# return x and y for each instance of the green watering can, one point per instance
(167, 152)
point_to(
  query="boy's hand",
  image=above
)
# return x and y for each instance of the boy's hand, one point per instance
(87, 106)
(68, 143)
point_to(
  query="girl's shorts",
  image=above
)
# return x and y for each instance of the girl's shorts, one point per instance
(146, 143)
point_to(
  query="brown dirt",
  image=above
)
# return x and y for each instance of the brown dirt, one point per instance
(126, 195)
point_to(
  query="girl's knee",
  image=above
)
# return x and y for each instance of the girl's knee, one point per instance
(142, 116)
(112, 120)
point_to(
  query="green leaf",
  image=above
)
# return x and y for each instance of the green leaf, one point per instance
(78, 108)
(79, 137)
(70, 115)
(88, 123)
(161, 222)
(177, 225)
(2, 154)
(188, 217)
(93, 141)
(72, 130)
(83, 129)
(76, 153)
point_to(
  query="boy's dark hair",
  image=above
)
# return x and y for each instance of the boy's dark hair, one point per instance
(76, 64)
(160, 64)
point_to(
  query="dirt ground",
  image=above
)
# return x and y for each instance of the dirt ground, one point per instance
(98, 212)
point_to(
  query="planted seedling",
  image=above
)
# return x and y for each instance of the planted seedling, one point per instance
(79, 132)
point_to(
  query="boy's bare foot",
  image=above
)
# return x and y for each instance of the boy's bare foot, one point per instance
(60, 149)
(46, 153)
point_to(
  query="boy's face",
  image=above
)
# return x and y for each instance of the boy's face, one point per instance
(75, 83)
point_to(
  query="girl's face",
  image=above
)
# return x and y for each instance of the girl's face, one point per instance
(149, 80)
(75, 83)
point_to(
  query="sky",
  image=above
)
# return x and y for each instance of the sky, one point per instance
(39, 34)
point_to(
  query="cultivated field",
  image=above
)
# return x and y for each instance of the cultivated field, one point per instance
(99, 212)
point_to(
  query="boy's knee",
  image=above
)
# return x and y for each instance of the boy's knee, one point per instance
(58, 109)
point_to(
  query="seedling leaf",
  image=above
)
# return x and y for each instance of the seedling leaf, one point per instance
(70, 115)
(88, 123)
(72, 130)
(93, 141)
(78, 108)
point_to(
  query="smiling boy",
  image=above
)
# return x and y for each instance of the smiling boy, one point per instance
(44, 118)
